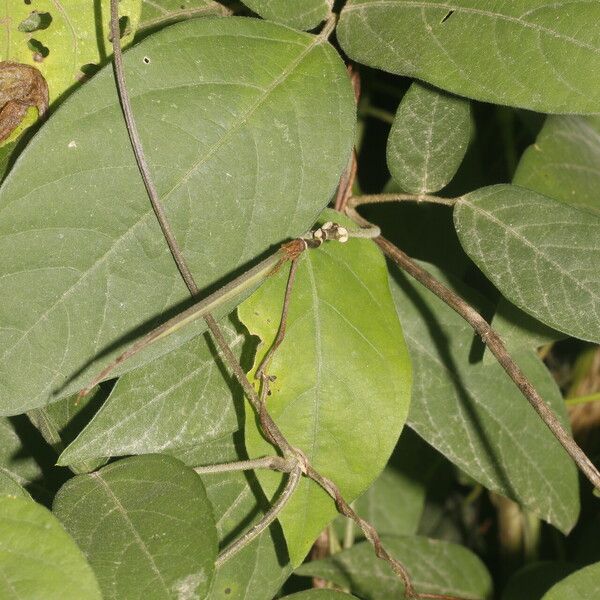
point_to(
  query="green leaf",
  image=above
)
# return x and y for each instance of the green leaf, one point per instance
(534, 580)
(299, 14)
(343, 377)
(156, 13)
(73, 36)
(9, 486)
(401, 484)
(543, 255)
(318, 595)
(563, 162)
(527, 53)
(181, 399)
(37, 557)
(146, 524)
(583, 585)
(475, 415)
(428, 139)
(259, 569)
(435, 567)
(244, 154)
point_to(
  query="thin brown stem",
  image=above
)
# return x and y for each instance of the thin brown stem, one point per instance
(140, 156)
(381, 198)
(496, 345)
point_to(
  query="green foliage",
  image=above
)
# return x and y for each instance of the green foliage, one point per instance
(37, 557)
(299, 14)
(478, 51)
(541, 254)
(435, 567)
(93, 268)
(341, 299)
(145, 519)
(428, 140)
(248, 125)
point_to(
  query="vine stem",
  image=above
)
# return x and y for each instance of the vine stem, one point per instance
(270, 428)
(273, 463)
(496, 345)
(355, 201)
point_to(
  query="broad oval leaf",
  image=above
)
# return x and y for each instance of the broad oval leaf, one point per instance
(38, 559)
(157, 13)
(244, 154)
(583, 585)
(543, 255)
(428, 139)
(299, 14)
(435, 567)
(527, 53)
(68, 40)
(146, 527)
(475, 415)
(343, 377)
(181, 399)
(564, 161)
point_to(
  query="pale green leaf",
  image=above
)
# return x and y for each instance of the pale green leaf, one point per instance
(564, 162)
(245, 153)
(428, 139)
(343, 377)
(299, 14)
(527, 53)
(181, 399)
(38, 559)
(474, 414)
(77, 36)
(435, 567)
(534, 580)
(146, 527)
(9, 486)
(543, 255)
(583, 585)
(156, 13)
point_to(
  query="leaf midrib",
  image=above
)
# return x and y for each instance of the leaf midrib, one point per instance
(285, 74)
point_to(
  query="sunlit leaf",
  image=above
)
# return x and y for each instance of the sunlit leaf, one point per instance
(343, 377)
(146, 524)
(428, 139)
(527, 53)
(245, 153)
(543, 255)
(38, 559)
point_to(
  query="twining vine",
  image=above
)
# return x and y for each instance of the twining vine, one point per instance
(292, 460)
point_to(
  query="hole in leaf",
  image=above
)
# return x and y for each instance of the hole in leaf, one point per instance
(450, 13)
(36, 20)
(146, 60)
(27, 2)
(40, 52)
